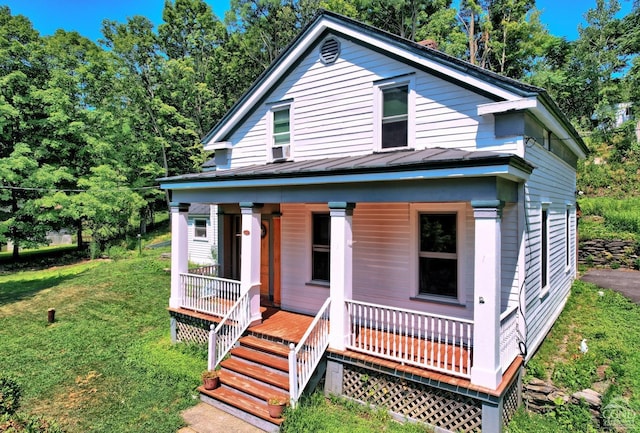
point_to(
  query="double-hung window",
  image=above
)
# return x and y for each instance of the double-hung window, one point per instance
(281, 126)
(438, 256)
(321, 247)
(200, 228)
(280, 132)
(544, 251)
(394, 112)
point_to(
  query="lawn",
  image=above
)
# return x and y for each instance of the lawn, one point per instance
(106, 364)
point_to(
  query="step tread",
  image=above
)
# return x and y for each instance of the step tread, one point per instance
(272, 347)
(237, 399)
(260, 357)
(262, 374)
(250, 387)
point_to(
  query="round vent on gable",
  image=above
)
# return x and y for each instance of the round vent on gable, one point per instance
(329, 50)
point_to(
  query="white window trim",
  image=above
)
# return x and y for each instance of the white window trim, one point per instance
(195, 231)
(378, 87)
(568, 224)
(544, 254)
(309, 211)
(273, 107)
(460, 209)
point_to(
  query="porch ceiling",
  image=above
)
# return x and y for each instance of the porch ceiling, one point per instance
(424, 175)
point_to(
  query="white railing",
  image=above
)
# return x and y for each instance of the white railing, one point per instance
(208, 270)
(211, 295)
(304, 358)
(229, 330)
(412, 337)
(508, 337)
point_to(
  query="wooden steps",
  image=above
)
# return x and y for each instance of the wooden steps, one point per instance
(255, 371)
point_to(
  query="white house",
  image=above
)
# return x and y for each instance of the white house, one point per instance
(411, 216)
(203, 233)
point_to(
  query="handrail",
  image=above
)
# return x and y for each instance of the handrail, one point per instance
(224, 336)
(313, 344)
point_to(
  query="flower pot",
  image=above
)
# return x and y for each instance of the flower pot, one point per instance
(275, 410)
(211, 383)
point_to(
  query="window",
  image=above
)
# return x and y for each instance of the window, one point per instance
(395, 117)
(321, 246)
(567, 235)
(438, 258)
(200, 229)
(544, 250)
(281, 126)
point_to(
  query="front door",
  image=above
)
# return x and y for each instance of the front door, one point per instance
(270, 260)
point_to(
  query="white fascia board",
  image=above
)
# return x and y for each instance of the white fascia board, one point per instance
(503, 107)
(325, 23)
(505, 171)
(220, 145)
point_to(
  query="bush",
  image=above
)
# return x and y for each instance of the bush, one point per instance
(9, 395)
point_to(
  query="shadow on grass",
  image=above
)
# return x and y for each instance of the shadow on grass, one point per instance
(14, 291)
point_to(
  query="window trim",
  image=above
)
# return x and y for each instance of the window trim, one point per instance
(378, 88)
(545, 220)
(310, 211)
(273, 108)
(195, 229)
(568, 243)
(460, 209)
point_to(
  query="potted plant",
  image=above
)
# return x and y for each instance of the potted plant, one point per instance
(210, 379)
(276, 405)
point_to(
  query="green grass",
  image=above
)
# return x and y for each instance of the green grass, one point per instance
(107, 363)
(611, 325)
(610, 218)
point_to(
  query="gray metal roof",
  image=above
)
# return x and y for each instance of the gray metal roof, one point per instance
(199, 209)
(427, 159)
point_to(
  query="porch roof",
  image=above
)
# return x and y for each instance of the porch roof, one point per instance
(432, 163)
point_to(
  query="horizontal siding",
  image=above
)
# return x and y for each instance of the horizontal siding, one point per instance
(200, 248)
(382, 255)
(552, 182)
(511, 239)
(334, 110)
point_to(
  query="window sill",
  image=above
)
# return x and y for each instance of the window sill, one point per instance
(453, 302)
(200, 239)
(318, 283)
(544, 292)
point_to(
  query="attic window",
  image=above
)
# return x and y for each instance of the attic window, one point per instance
(329, 50)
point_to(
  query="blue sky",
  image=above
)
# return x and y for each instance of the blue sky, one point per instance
(85, 16)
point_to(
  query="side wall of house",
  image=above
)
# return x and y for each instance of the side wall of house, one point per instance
(552, 187)
(332, 110)
(200, 248)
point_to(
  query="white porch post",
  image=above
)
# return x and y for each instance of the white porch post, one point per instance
(179, 250)
(341, 272)
(250, 266)
(486, 370)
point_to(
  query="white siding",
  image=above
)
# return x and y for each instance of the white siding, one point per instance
(511, 238)
(333, 110)
(553, 184)
(382, 255)
(200, 248)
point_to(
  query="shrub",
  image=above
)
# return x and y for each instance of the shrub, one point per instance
(9, 395)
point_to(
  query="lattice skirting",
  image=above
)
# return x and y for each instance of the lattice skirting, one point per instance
(191, 329)
(511, 401)
(413, 400)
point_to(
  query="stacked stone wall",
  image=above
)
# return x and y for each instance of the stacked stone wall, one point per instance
(609, 253)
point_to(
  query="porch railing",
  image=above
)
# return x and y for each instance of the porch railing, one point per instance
(229, 330)
(304, 358)
(411, 337)
(508, 337)
(211, 295)
(208, 270)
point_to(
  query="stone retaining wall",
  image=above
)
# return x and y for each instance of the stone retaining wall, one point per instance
(611, 253)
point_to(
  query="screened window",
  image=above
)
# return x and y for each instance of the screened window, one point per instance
(321, 244)
(200, 229)
(395, 116)
(438, 258)
(281, 126)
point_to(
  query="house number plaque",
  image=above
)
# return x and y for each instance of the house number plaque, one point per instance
(246, 232)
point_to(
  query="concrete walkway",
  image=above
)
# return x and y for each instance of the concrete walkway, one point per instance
(204, 418)
(624, 281)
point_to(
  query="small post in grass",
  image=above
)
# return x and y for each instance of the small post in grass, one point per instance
(139, 244)
(51, 315)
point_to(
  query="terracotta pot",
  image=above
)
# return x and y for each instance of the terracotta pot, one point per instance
(275, 410)
(211, 383)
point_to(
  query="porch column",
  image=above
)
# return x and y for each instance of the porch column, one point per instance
(341, 285)
(250, 266)
(179, 249)
(486, 370)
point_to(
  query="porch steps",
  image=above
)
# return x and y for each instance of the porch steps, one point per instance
(256, 370)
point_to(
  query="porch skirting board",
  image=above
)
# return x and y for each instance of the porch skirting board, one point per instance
(444, 406)
(189, 327)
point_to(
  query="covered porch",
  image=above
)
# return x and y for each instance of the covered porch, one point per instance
(475, 338)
